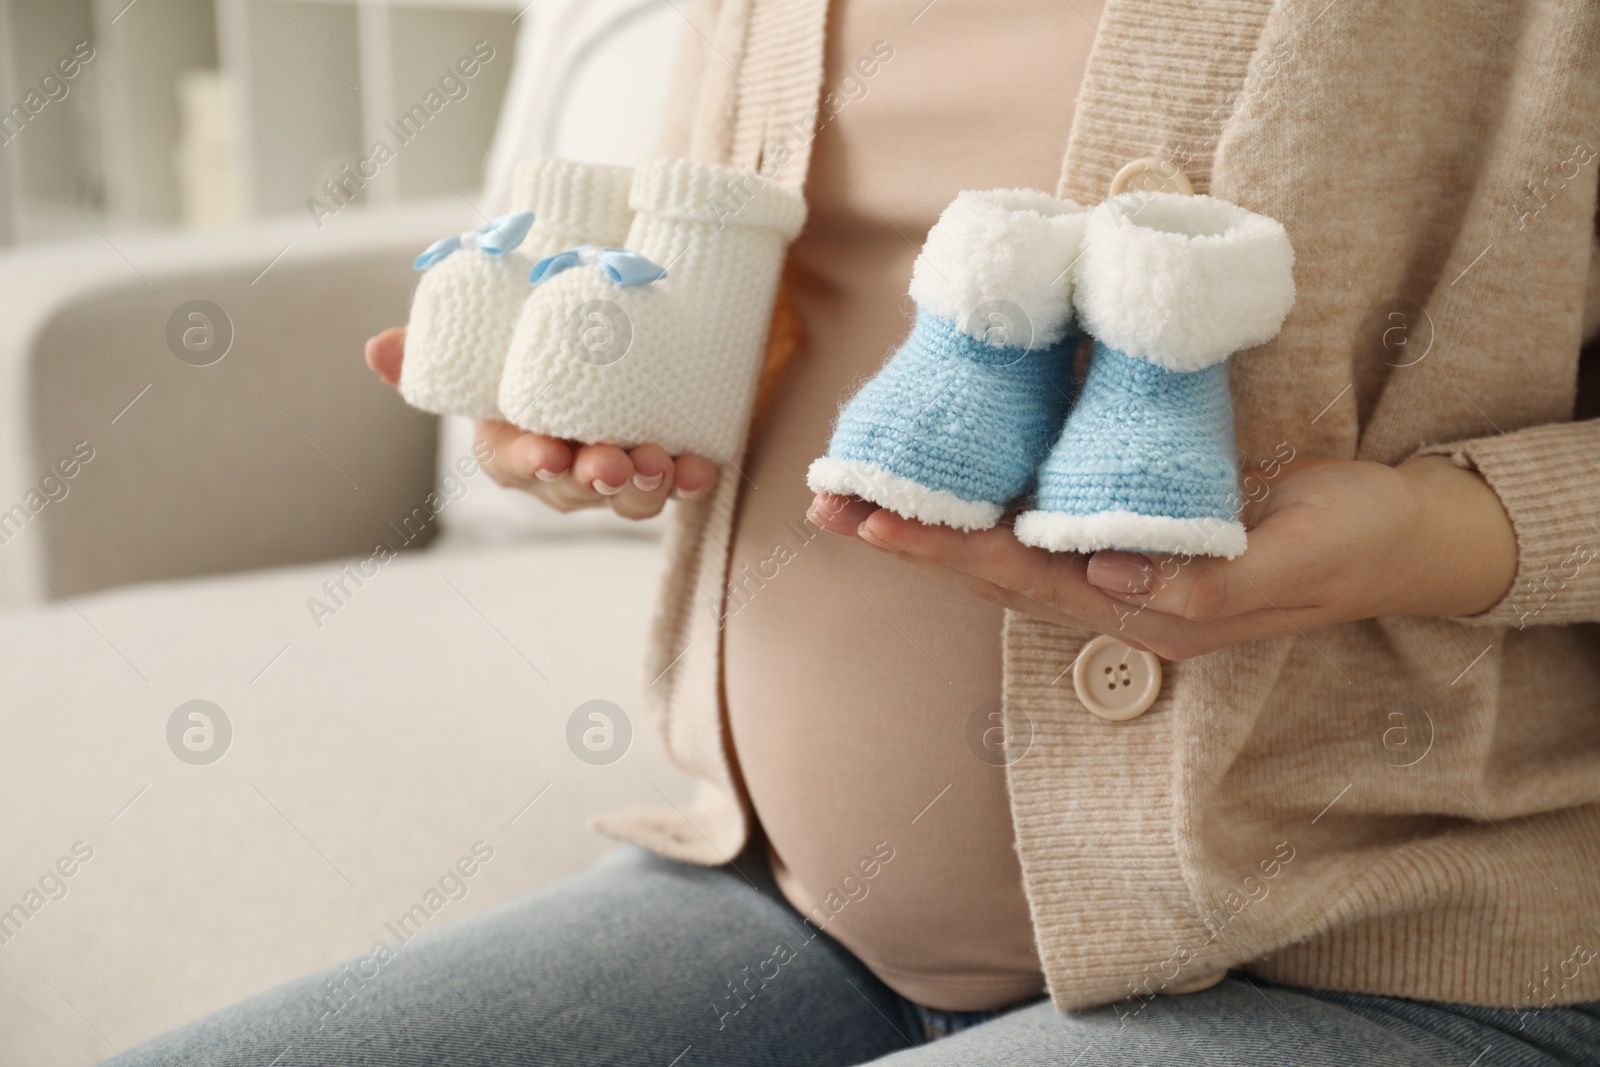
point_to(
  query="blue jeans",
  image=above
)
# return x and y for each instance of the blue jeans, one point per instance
(643, 960)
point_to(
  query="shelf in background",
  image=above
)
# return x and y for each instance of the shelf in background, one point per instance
(216, 111)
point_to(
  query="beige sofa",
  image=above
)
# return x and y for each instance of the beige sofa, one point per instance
(379, 730)
(379, 719)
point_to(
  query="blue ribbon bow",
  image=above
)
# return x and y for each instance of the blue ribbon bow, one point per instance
(496, 238)
(622, 266)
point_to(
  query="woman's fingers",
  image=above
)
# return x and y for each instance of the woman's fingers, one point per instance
(1325, 533)
(652, 470)
(569, 476)
(840, 514)
(602, 469)
(1283, 569)
(499, 438)
(993, 565)
(647, 490)
(1197, 588)
(385, 352)
(693, 477)
(636, 485)
(518, 459)
(995, 556)
(544, 459)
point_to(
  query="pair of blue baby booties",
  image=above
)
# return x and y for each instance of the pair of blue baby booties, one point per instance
(976, 408)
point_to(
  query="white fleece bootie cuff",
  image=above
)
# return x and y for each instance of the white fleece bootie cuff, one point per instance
(1182, 281)
(1002, 247)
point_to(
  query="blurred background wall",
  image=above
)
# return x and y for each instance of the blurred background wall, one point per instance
(283, 161)
(139, 114)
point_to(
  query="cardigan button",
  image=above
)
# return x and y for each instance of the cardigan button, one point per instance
(1151, 175)
(1114, 681)
(1195, 985)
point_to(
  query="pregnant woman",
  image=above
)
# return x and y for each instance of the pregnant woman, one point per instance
(1340, 801)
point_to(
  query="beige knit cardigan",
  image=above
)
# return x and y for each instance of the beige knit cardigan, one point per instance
(1404, 806)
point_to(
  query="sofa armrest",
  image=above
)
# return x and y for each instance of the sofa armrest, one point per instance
(284, 450)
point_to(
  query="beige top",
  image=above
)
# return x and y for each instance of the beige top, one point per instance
(1256, 816)
(851, 678)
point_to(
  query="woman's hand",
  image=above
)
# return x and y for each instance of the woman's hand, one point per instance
(566, 475)
(1331, 541)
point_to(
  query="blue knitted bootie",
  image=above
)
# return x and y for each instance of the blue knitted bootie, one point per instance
(1169, 286)
(953, 426)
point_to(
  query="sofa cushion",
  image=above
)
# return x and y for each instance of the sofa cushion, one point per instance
(380, 732)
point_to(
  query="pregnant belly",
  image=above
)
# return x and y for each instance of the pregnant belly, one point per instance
(860, 693)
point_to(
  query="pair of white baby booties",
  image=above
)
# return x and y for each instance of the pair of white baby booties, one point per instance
(582, 355)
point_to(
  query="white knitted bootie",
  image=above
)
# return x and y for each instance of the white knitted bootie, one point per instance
(609, 349)
(473, 287)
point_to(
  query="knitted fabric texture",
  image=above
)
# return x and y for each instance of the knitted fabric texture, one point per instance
(466, 306)
(1145, 464)
(674, 362)
(950, 430)
(954, 425)
(1448, 879)
(1169, 285)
